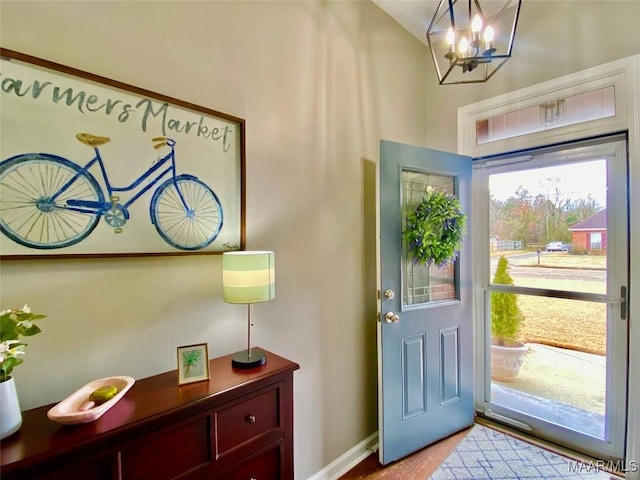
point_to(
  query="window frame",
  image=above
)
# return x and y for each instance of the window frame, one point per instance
(613, 149)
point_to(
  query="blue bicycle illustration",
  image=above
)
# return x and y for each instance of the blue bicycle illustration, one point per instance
(47, 201)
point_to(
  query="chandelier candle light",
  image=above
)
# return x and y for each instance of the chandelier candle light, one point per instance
(248, 277)
(469, 42)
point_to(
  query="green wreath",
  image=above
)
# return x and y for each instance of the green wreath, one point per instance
(433, 231)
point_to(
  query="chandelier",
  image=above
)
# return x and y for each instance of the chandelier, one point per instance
(470, 42)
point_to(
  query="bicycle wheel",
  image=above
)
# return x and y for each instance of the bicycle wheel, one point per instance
(33, 209)
(188, 228)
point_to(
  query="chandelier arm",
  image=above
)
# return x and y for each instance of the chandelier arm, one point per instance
(504, 7)
(515, 24)
(451, 16)
(479, 8)
(436, 19)
(494, 71)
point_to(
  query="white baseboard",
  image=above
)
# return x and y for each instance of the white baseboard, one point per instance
(348, 460)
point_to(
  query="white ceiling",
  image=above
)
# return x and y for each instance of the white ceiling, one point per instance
(413, 15)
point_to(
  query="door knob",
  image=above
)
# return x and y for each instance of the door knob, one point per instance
(391, 317)
(389, 294)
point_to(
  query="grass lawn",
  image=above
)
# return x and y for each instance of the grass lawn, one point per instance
(564, 260)
(571, 324)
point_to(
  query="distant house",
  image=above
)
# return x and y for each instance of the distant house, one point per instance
(591, 233)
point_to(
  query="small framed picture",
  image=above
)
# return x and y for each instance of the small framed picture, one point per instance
(193, 363)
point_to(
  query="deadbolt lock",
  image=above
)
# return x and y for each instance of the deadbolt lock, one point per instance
(389, 294)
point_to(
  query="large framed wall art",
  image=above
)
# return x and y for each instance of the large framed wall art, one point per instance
(93, 167)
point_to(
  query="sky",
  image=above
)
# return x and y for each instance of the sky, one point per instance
(577, 180)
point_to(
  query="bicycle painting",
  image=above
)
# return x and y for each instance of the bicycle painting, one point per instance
(92, 167)
(50, 202)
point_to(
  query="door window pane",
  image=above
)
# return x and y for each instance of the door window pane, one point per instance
(420, 283)
(550, 223)
(561, 375)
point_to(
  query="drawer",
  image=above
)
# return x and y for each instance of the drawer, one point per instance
(101, 468)
(169, 452)
(265, 466)
(247, 420)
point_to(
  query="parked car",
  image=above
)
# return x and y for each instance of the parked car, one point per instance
(557, 247)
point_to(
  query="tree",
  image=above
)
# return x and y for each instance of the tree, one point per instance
(505, 313)
(581, 209)
(539, 219)
(522, 218)
(498, 220)
(551, 209)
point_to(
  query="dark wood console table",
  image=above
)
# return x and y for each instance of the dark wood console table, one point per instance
(237, 425)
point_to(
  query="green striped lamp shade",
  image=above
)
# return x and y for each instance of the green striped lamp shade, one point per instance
(248, 277)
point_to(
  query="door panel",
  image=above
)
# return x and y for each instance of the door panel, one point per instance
(425, 343)
(414, 376)
(450, 365)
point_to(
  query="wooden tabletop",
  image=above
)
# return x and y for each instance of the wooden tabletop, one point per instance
(150, 397)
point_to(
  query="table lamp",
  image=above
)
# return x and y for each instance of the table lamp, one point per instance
(248, 277)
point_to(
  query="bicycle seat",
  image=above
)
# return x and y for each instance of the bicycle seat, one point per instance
(92, 140)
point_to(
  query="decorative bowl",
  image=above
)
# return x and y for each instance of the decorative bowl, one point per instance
(68, 410)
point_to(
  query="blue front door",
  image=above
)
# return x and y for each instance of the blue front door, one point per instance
(425, 328)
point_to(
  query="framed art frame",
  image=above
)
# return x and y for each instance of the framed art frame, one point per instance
(90, 166)
(193, 363)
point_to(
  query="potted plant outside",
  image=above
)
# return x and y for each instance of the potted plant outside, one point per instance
(507, 353)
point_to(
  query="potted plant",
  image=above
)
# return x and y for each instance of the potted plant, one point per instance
(14, 323)
(507, 353)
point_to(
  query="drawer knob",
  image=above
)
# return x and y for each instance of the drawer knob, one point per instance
(251, 419)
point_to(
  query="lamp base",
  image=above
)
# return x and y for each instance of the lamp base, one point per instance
(243, 360)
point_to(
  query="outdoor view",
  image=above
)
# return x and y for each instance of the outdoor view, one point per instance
(548, 231)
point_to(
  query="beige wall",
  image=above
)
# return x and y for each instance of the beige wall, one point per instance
(319, 83)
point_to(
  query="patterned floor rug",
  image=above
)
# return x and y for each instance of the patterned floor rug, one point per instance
(486, 454)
